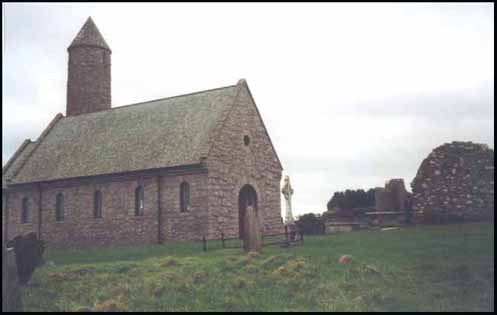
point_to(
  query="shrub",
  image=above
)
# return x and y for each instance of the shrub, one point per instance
(310, 223)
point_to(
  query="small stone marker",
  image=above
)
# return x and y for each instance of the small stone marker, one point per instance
(252, 237)
(11, 294)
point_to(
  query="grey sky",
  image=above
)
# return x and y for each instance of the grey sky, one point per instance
(351, 94)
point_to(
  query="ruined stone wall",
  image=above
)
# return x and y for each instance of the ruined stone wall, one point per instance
(455, 182)
(398, 189)
(233, 164)
(392, 197)
(384, 199)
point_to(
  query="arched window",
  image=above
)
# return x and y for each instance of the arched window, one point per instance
(97, 204)
(25, 210)
(139, 201)
(59, 207)
(184, 196)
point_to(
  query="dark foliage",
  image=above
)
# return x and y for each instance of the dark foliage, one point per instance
(350, 199)
(310, 223)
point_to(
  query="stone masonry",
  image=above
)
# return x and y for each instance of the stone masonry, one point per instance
(214, 193)
(455, 182)
(221, 147)
(232, 164)
(392, 197)
(89, 69)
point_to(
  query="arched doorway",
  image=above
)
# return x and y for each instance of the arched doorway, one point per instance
(247, 197)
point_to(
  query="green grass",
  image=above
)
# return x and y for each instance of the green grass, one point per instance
(425, 268)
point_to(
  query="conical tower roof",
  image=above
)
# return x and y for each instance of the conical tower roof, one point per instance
(89, 35)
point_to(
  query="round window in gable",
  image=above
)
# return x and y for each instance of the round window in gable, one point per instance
(246, 140)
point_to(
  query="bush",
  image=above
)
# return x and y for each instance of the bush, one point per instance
(310, 223)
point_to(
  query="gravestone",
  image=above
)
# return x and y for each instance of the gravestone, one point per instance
(28, 255)
(252, 238)
(11, 293)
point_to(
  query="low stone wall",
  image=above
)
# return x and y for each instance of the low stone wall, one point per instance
(386, 218)
(336, 227)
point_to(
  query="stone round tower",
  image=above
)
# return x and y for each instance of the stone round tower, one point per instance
(88, 82)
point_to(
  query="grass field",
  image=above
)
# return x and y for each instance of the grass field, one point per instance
(425, 268)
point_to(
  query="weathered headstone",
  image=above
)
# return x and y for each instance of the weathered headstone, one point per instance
(28, 255)
(11, 293)
(252, 238)
(292, 232)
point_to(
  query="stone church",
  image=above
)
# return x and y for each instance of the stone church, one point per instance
(177, 168)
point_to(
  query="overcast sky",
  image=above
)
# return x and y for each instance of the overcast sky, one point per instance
(351, 94)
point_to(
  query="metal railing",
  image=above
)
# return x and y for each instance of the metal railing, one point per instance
(286, 239)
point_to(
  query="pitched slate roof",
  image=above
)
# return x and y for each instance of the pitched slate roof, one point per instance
(89, 35)
(16, 161)
(162, 133)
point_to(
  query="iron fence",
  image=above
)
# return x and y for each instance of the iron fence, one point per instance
(286, 239)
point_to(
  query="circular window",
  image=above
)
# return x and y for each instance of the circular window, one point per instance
(246, 140)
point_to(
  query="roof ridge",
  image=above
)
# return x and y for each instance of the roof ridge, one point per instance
(156, 100)
(16, 154)
(38, 141)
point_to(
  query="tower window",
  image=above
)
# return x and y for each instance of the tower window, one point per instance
(139, 201)
(59, 207)
(246, 140)
(184, 195)
(97, 204)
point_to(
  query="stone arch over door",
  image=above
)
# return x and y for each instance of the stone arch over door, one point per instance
(246, 197)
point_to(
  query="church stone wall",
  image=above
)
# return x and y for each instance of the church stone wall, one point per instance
(14, 201)
(118, 225)
(232, 164)
(189, 225)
